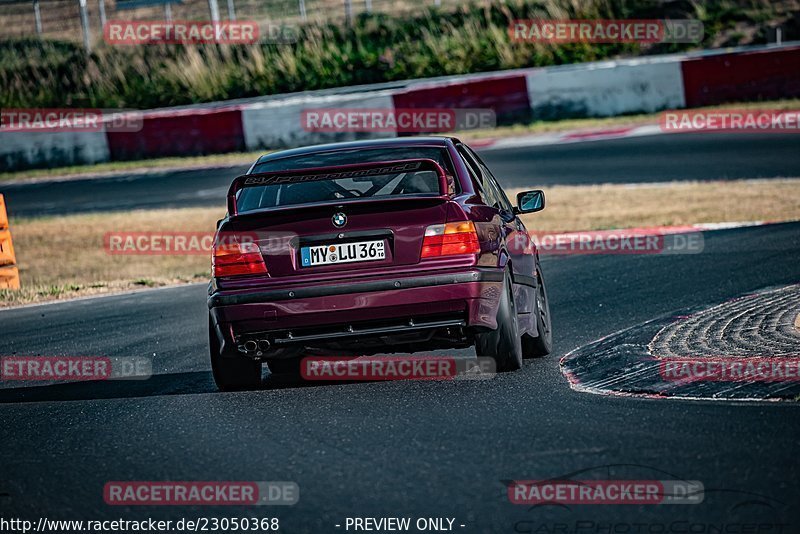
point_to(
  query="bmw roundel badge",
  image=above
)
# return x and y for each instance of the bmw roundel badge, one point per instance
(339, 219)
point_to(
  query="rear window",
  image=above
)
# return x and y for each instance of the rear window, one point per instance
(424, 182)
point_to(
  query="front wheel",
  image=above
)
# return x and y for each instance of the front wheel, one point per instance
(504, 343)
(542, 344)
(234, 372)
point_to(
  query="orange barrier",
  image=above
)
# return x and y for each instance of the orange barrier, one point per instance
(9, 278)
(3, 215)
(9, 274)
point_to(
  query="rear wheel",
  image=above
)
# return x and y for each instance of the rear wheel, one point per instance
(231, 372)
(504, 343)
(542, 344)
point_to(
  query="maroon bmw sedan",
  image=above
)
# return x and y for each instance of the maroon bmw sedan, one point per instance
(369, 247)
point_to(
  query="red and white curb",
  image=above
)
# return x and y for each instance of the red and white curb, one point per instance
(570, 136)
(699, 227)
(665, 230)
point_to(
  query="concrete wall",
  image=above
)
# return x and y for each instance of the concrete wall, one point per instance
(278, 123)
(27, 149)
(606, 88)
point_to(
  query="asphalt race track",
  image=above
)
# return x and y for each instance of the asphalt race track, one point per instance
(409, 449)
(640, 159)
(414, 449)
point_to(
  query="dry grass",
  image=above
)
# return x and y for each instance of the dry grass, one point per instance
(592, 207)
(64, 257)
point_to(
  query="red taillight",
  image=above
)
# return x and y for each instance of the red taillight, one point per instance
(450, 239)
(234, 259)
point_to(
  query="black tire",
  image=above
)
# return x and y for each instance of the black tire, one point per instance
(285, 366)
(542, 344)
(234, 372)
(503, 344)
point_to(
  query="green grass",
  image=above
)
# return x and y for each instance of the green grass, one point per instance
(376, 48)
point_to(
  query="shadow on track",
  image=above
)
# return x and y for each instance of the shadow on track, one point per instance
(166, 384)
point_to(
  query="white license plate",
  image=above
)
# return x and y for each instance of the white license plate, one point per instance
(342, 253)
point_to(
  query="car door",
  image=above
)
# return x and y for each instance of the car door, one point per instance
(488, 222)
(516, 240)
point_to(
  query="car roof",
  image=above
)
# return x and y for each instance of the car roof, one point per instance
(442, 141)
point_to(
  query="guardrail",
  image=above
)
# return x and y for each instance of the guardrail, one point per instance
(69, 20)
(9, 273)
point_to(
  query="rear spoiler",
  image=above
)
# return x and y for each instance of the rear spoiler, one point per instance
(334, 172)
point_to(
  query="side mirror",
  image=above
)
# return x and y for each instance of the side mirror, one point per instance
(530, 201)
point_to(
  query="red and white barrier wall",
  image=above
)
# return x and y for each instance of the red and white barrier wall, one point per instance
(749, 75)
(22, 149)
(278, 123)
(606, 88)
(598, 89)
(202, 130)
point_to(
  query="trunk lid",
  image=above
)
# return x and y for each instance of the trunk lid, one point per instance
(376, 234)
(339, 219)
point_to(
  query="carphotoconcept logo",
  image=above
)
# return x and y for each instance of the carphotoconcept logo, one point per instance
(581, 500)
(606, 31)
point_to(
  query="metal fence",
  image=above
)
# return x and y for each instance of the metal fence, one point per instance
(67, 19)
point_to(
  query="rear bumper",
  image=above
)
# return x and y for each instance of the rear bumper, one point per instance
(470, 294)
